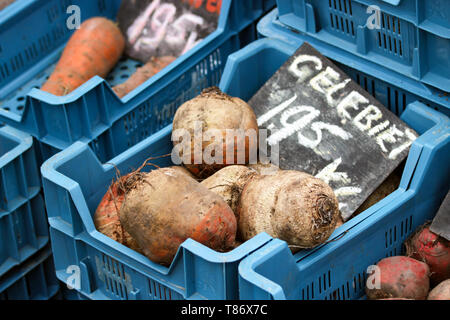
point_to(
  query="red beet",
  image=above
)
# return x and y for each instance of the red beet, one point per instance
(441, 291)
(400, 277)
(432, 249)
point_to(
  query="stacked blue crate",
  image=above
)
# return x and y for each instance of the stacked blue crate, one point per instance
(338, 269)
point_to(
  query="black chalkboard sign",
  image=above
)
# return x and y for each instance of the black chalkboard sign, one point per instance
(326, 125)
(441, 222)
(156, 28)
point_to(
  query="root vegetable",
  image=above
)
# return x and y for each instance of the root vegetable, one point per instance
(441, 291)
(400, 277)
(142, 74)
(264, 169)
(386, 188)
(165, 207)
(289, 205)
(94, 49)
(432, 249)
(339, 221)
(183, 170)
(215, 112)
(229, 183)
(106, 218)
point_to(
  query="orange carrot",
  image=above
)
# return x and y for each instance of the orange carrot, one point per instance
(142, 74)
(94, 49)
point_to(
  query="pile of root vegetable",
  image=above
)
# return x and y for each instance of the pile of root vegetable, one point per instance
(219, 204)
(423, 273)
(94, 50)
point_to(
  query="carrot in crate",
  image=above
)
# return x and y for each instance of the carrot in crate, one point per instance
(92, 50)
(142, 74)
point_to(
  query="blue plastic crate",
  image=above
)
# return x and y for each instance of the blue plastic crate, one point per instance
(336, 270)
(23, 222)
(411, 37)
(402, 91)
(70, 294)
(33, 280)
(268, 5)
(93, 113)
(74, 183)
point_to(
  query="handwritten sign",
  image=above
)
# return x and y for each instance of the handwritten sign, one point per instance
(328, 126)
(156, 28)
(441, 222)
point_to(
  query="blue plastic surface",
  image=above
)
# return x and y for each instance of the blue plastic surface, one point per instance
(71, 294)
(411, 37)
(402, 89)
(93, 113)
(268, 5)
(74, 182)
(33, 280)
(337, 270)
(23, 222)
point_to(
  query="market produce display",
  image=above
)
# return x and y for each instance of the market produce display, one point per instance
(223, 205)
(339, 150)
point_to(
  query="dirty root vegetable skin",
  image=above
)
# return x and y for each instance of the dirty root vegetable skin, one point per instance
(441, 291)
(215, 110)
(400, 277)
(264, 168)
(229, 183)
(142, 74)
(432, 249)
(289, 205)
(106, 218)
(92, 50)
(183, 170)
(165, 207)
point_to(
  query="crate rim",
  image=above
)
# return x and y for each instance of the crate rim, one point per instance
(270, 26)
(423, 25)
(24, 140)
(23, 269)
(8, 12)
